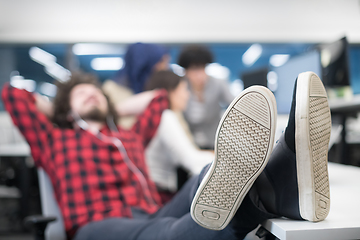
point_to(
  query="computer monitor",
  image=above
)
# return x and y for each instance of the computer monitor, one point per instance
(287, 73)
(255, 77)
(335, 63)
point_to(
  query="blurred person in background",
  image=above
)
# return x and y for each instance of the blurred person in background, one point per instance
(172, 146)
(141, 60)
(207, 95)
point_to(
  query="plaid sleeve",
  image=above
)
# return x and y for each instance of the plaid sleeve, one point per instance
(148, 122)
(33, 125)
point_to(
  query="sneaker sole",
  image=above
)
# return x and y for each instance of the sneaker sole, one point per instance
(243, 144)
(312, 134)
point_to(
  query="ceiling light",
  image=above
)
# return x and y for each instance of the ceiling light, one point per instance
(177, 69)
(218, 71)
(58, 72)
(42, 57)
(48, 89)
(21, 83)
(278, 60)
(97, 49)
(236, 87)
(252, 54)
(107, 64)
(272, 81)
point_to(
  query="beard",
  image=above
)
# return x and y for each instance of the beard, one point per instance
(95, 114)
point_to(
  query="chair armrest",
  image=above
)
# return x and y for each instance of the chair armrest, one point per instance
(38, 224)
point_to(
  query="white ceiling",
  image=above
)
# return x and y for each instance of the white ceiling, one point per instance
(177, 21)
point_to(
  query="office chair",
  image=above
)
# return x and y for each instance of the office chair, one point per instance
(50, 225)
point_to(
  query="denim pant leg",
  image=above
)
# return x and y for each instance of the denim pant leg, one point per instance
(172, 222)
(247, 218)
(181, 202)
(165, 228)
(175, 221)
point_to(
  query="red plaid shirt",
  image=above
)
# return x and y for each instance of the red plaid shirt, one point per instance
(90, 178)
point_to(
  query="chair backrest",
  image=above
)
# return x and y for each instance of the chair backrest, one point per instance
(12, 143)
(55, 230)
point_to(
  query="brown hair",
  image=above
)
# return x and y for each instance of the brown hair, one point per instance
(62, 98)
(166, 79)
(195, 55)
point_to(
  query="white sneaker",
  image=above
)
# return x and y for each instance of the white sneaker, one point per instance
(312, 136)
(243, 144)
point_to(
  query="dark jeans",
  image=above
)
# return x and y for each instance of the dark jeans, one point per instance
(173, 221)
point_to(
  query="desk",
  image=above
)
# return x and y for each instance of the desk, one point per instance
(15, 150)
(338, 106)
(343, 221)
(344, 108)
